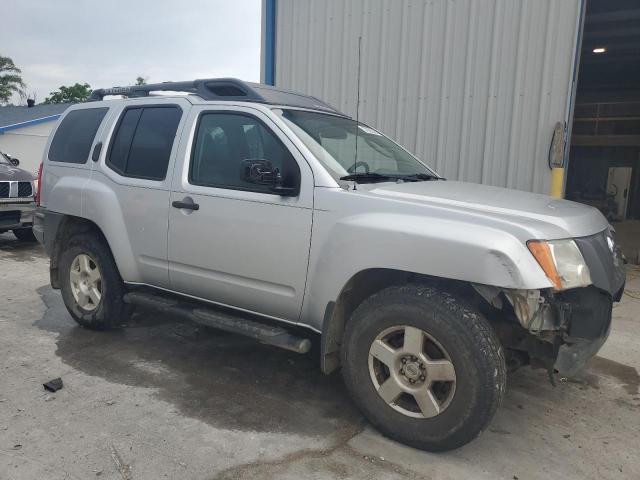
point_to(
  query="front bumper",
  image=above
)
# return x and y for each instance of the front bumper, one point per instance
(16, 213)
(586, 313)
(572, 357)
(586, 316)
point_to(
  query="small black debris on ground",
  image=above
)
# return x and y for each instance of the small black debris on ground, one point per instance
(53, 385)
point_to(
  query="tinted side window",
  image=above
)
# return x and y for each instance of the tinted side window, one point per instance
(73, 139)
(142, 144)
(122, 140)
(224, 141)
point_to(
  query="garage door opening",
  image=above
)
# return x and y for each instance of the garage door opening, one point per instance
(604, 166)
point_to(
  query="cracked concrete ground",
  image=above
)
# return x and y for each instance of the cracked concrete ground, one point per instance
(163, 399)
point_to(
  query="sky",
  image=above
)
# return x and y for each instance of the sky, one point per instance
(110, 43)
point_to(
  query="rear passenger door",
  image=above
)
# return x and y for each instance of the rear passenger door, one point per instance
(136, 166)
(244, 246)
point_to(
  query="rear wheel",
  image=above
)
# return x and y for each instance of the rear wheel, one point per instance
(91, 286)
(426, 369)
(25, 234)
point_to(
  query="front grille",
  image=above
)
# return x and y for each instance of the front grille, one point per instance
(16, 190)
(24, 189)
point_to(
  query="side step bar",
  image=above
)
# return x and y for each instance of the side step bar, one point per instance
(229, 322)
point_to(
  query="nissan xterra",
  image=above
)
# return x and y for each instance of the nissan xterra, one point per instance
(253, 209)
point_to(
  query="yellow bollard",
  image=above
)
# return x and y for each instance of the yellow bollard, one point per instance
(557, 180)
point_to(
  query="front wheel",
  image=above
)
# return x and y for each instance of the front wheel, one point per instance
(426, 369)
(91, 286)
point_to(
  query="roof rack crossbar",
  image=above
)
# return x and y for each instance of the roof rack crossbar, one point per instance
(219, 89)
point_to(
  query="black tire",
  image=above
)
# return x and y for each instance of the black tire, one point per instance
(111, 311)
(472, 346)
(25, 235)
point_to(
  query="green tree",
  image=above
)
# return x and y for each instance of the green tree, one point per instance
(141, 81)
(73, 94)
(10, 80)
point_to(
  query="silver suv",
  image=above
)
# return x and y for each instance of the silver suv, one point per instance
(269, 213)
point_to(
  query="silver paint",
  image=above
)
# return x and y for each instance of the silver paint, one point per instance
(287, 258)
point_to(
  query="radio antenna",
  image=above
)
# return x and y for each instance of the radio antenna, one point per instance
(355, 157)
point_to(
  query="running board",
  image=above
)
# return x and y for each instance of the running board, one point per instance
(229, 322)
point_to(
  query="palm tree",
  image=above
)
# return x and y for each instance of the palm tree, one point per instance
(10, 80)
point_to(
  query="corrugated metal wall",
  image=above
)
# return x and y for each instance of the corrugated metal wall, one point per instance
(473, 87)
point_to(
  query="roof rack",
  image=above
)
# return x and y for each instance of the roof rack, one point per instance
(220, 89)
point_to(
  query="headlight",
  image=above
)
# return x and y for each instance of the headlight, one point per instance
(562, 262)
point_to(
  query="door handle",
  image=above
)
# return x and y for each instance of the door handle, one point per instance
(185, 205)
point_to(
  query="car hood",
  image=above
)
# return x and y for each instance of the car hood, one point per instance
(551, 218)
(9, 173)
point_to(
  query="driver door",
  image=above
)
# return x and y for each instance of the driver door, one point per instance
(231, 241)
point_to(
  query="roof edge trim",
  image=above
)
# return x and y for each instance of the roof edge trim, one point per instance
(29, 123)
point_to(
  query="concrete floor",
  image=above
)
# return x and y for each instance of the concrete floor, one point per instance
(628, 236)
(165, 400)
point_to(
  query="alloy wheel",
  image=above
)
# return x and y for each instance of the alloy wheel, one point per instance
(86, 282)
(412, 372)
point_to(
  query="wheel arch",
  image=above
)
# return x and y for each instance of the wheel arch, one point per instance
(361, 286)
(69, 226)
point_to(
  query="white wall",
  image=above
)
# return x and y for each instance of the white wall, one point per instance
(473, 87)
(27, 144)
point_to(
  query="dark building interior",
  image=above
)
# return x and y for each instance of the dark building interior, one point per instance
(604, 162)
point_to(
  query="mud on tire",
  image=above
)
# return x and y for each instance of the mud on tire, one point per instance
(110, 311)
(450, 326)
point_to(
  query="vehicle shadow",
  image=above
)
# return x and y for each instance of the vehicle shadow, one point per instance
(234, 383)
(225, 380)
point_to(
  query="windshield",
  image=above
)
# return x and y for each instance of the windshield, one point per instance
(332, 139)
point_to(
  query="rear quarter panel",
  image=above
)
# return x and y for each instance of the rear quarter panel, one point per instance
(63, 183)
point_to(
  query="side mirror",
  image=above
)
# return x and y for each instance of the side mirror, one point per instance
(14, 161)
(261, 172)
(280, 189)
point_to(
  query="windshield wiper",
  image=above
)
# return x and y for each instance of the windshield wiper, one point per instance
(372, 177)
(420, 176)
(363, 177)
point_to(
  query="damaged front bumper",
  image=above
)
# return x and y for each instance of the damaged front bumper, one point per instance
(574, 354)
(585, 323)
(562, 330)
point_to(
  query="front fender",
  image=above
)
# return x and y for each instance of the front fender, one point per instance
(431, 246)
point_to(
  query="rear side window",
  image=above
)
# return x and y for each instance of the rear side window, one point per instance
(143, 140)
(74, 137)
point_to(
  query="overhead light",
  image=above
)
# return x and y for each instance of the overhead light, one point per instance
(599, 50)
